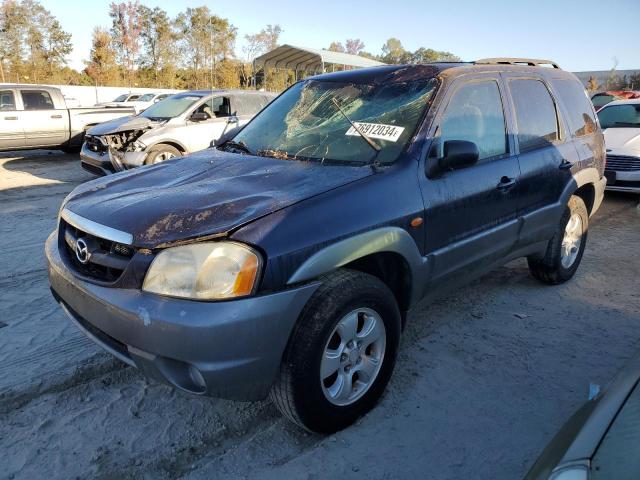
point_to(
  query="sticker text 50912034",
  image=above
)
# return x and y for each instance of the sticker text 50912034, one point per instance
(390, 133)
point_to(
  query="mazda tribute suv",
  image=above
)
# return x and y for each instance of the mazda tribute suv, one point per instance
(283, 261)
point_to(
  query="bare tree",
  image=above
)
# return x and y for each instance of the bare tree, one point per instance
(354, 46)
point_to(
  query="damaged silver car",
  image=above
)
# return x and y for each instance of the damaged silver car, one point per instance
(178, 125)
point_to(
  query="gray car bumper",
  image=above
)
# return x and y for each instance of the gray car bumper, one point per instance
(105, 163)
(226, 349)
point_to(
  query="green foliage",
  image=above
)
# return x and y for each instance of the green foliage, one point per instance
(33, 45)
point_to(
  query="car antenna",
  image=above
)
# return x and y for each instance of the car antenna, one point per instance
(371, 143)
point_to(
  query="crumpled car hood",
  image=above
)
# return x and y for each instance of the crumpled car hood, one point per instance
(123, 124)
(204, 194)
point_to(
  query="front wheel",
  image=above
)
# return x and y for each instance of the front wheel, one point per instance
(566, 247)
(160, 153)
(341, 353)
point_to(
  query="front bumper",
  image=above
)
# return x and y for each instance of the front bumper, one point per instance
(625, 181)
(105, 163)
(228, 349)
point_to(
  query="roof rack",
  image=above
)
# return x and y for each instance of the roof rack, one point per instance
(532, 62)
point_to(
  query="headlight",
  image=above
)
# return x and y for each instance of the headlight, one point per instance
(204, 271)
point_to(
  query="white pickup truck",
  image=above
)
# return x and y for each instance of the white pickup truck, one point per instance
(35, 116)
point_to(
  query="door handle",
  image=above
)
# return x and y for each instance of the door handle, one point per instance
(56, 116)
(506, 183)
(10, 118)
(565, 165)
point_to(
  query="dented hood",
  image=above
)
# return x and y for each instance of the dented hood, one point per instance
(207, 193)
(123, 124)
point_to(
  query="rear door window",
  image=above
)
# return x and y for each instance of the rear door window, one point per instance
(36, 100)
(475, 114)
(579, 110)
(7, 100)
(536, 116)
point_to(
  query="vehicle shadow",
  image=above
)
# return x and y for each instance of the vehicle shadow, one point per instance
(39, 168)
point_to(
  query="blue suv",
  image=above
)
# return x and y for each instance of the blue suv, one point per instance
(283, 261)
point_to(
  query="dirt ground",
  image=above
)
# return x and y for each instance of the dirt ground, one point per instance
(484, 379)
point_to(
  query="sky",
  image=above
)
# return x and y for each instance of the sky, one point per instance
(579, 35)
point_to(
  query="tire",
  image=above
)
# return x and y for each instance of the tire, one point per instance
(160, 153)
(299, 392)
(557, 266)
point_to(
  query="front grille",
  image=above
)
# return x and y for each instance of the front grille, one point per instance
(107, 259)
(95, 144)
(622, 163)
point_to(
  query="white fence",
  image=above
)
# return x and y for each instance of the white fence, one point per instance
(81, 96)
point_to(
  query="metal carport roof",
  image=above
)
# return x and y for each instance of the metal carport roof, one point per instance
(289, 57)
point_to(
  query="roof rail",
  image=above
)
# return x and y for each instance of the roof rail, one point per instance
(532, 62)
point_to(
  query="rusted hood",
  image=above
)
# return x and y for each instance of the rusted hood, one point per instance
(207, 193)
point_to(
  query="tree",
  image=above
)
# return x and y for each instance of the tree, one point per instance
(33, 44)
(336, 47)
(125, 30)
(206, 40)
(394, 52)
(158, 42)
(426, 55)
(13, 22)
(102, 65)
(354, 46)
(264, 41)
(592, 84)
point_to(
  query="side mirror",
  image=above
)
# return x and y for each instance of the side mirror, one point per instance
(458, 154)
(199, 117)
(233, 118)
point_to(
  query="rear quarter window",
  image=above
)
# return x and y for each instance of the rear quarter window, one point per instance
(580, 115)
(536, 116)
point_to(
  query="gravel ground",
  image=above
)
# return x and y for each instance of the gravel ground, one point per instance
(485, 376)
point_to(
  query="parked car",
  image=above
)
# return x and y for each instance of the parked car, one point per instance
(120, 99)
(181, 124)
(284, 261)
(35, 116)
(601, 440)
(145, 101)
(139, 101)
(603, 98)
(620, 121)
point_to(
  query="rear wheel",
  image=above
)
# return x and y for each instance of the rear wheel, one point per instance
(341, 353)
(566, 247)
(160, 153)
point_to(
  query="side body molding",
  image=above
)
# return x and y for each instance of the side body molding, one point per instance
(385, 239)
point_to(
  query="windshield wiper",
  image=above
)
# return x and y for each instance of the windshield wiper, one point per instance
(238, 146)
(371, 143)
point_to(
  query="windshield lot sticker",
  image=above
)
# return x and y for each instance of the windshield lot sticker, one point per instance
(390, 133)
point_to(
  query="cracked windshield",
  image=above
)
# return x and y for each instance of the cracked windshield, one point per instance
(312, 121)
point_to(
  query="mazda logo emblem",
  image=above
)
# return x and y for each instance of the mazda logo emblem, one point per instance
(82, 251)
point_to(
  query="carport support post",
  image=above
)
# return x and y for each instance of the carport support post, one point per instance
(253, 74)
